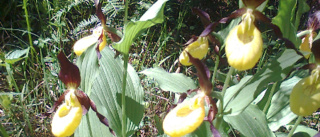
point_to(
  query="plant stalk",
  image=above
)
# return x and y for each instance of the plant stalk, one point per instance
(224, 89)
(295, 126)
(270, 97)
(216, 64)
(123, 95)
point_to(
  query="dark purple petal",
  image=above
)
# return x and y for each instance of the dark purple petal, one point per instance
(203, 74)
(182, 97)
(102, 119)
(212, 26)
(316, 50)
(253, 4)
(84, 101)
(69, 73)
(235, 14)
(214, 131)
(99, 12)
(113, 36)
(213, 110)
(209, 29)
(204, 16)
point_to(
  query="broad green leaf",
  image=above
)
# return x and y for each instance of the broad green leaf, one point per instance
(175, 82)
(283, 21)
(251, 122)
(90, 126)
(303, 7)
(16, 55)
(279, 113)
(238, 97)
(106, 93)
(202, 131)
(224, 32)
(303, 131)
(89, 68)
(152, 16)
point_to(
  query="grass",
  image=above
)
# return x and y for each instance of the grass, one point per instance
(29, 87)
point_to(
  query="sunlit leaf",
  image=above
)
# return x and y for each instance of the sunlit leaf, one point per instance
(89, 69)
(238, 97)
(251, 122)
(16, 55)
(303, 131)
(175, 82)
(279, 113)
(106, 93)
(303, 7)
(152, 16)
(283, 21)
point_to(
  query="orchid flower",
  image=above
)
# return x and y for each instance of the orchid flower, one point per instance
(244, 43)
(198, 49)
(73, 103)
(188, 116)
(305, 95)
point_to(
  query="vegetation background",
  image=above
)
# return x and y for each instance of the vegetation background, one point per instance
(33, 31)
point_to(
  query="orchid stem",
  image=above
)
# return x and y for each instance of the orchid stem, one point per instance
(215, 70)
(124, 80)
(224, 89)
(123, 97)
(270, 97)
(295, 126)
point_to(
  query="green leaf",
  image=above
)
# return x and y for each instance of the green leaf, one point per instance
(251, 122)
(91, 126)
(152, 16)
(303, 131)
(89, 68)
(238, 97)
(279, 113)
(303, 7)
(283, 21)
(259, 8)
(106, 94)
(16, 55)
(202, 131)
(175, 82)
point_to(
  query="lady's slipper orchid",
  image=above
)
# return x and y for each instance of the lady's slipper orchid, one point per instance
(76, 103)
(305, 95)
(244, 44)
(197, 49)
(186, 117)
(83, 44)
(68, 116)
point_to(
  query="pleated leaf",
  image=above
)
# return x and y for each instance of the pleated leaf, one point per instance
(175, 82)
(238, 97)
(89, 68)
(250, 123)
(279, 113)
(106, 93)
(133, 29)
(283, 20)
